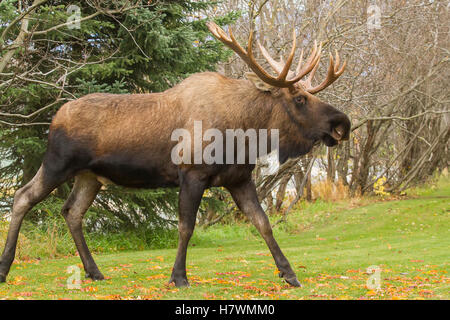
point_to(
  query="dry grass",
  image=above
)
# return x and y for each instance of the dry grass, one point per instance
(330, 191)
(34, 244)
(23, 243)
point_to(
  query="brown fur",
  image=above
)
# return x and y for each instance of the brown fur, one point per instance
(137, 123)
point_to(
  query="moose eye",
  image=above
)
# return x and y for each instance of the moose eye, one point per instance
(300, 101)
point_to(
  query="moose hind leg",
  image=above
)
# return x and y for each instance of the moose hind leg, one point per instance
(24, 199)
(80, 199)
(246, 199)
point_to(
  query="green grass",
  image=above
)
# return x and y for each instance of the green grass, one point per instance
(329, 245)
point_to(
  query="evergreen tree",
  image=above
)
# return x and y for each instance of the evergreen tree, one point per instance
(118, 46)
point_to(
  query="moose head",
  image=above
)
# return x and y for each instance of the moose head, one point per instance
(315, 120)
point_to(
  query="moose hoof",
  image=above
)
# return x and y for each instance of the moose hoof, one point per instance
(292, 280)
(2, 278)
(179, 282)
(95, 276)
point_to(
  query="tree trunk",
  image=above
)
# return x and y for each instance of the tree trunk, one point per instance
(308, 186)
(281, 192)
(331, 167)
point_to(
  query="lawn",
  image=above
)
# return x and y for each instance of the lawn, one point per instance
(330, 245)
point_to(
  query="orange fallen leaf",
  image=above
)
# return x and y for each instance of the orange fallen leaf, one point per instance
(154, 267)
(371, 293)
(157, 276)
(24, 294)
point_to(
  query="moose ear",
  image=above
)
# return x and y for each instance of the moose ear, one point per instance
(259, 84)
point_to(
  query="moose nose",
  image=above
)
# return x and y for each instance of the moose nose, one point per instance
(338, 132)
(340, 127)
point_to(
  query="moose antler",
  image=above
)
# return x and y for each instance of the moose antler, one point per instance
(333, 74)
(333, 70)
(282, 69)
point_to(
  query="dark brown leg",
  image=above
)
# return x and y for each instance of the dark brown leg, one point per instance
(25, 198)
(80, 199)
(191, 192)
(246, 199)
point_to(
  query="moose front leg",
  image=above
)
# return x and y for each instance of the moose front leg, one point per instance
(246, 199)
(191, 192)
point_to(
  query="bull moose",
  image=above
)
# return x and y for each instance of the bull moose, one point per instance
(126, 139)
